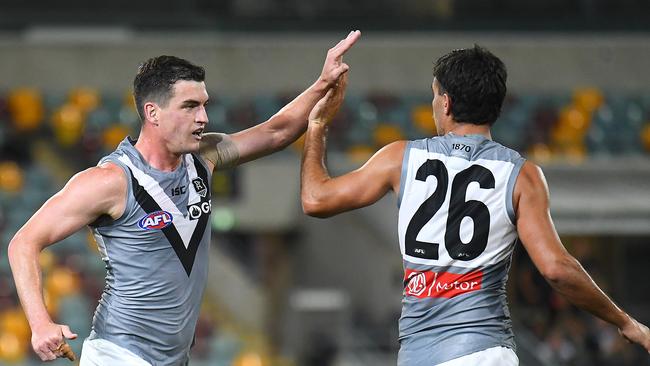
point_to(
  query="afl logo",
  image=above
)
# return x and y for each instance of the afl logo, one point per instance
(156, 220)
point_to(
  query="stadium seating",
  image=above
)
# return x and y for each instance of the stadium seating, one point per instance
(567, 127)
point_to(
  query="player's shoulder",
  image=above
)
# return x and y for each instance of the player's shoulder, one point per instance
(391, 154)
(531, 180)
(532, 171)
(105, 178)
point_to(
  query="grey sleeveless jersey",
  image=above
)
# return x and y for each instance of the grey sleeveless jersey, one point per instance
(156, 256)
(457, 233)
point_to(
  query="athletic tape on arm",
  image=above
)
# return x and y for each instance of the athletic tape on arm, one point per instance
(219, 149)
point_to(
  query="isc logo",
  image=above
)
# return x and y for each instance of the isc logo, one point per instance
(156, 220)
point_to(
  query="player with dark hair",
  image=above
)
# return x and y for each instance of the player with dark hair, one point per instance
(463, 200)
(148, 205)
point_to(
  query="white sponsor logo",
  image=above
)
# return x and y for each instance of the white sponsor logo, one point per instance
(417, 283)
(196, 210)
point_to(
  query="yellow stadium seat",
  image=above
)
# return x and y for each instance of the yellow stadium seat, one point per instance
(68, 123)
(576, 118)
(422, 116)
(26, 109)
(11, 177)
(12, 349)
(62, 282)
(250, 358)
(86, 99)
(540, 153)
(46, 260)
(570, 129)
(588, 98)
(576, 153)
(360, 153)
(14, 321)
(113, 135)
(51, 301)
(386, 133)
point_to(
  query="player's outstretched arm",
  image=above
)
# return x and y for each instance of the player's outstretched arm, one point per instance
(324, 196)
(88, 195)
(286, 125)
(559, 268)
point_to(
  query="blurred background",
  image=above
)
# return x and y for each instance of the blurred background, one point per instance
(289, 290)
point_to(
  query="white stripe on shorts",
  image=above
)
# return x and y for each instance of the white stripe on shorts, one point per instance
(100, 352)
(495, 356)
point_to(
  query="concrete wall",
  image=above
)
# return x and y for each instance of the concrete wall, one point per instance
(259, 63)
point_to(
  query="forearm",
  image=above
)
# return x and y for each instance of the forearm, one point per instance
(26, 270)
(291, 121)
(575, 284)
(314, 169)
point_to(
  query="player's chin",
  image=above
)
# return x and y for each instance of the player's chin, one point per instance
(191, 146)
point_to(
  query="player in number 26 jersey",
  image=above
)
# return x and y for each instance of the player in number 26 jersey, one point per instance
(456, 233)
(464, 200)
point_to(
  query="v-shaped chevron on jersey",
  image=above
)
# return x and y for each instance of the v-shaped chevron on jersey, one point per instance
(183, 234)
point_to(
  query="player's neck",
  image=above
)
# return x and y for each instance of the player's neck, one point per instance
(462, 129)
(156, 154)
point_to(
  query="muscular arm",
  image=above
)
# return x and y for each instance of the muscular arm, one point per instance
(89, 194)
(286, 125)
(323, 196)
(563, 272)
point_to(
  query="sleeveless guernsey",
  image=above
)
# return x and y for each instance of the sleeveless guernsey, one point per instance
(156, 257)
(456, 235)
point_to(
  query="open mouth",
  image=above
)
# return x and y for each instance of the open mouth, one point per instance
(198, 133)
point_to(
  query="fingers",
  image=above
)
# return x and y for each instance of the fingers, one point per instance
(45, 352)
(62, 350)
(330, 94)
(339, 70)
(67, 332)
(46, 348)
(343, 81)
(346, 44)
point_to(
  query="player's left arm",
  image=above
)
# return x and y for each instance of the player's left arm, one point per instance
(562, 271)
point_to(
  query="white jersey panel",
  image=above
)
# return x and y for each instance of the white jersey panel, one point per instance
(416, 192)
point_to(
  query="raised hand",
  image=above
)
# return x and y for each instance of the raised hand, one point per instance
(326, 108)
(334, 66)
(48, 341)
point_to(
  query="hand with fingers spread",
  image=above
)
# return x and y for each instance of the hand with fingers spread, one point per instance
(334, 66)
(326, 108)
(49, 344)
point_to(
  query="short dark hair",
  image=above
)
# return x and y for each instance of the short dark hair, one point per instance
(156, 78)
(475, 80)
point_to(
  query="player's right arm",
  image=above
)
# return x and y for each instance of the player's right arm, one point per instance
(562, 271)
(284, 127)
(88, 195)
(322, 195)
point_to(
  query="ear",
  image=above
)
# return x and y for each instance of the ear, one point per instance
(151, 112)
(446, 104)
